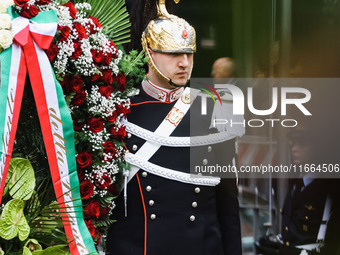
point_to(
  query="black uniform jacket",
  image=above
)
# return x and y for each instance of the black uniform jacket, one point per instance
(168, 217)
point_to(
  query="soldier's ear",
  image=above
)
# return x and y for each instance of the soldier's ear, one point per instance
(151, 52)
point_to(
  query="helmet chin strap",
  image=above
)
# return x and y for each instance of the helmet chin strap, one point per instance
(179, 86)
(156, 70)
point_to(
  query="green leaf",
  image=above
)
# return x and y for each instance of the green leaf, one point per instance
(26, 251)
(22, 180)
(33, 207)
(13, 221)
(54, 250)
(114, 18)
(32, 245)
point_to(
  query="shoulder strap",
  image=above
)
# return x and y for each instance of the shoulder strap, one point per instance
(325, 218)
(168, 125)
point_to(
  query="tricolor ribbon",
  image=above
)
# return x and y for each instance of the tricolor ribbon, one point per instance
(27, 54)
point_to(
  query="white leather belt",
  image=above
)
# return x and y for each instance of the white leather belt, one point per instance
(177, 141)
(169, 173)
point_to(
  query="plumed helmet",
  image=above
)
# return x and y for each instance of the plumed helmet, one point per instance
(168, 34)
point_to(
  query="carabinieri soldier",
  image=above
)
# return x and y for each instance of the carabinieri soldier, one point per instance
(165, 210)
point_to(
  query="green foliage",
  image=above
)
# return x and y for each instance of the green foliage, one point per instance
(36, 218)
(103, 223)
(29, 141)
(21, 179)
(132, 65)
(26, 251)
(113, 16)
(106, 199)
(54, 250)
(33, 244)
(13, 221)
(69, 98)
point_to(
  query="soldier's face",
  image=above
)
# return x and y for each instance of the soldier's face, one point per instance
(302, 151)
(176, 66)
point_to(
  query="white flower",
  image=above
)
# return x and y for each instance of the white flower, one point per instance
(5, 21)
(6, 38)
(4, 4)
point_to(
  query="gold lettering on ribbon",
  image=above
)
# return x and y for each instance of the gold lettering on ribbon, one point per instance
(59, 141)
(69, 197)
(5, 137)
(67, 186)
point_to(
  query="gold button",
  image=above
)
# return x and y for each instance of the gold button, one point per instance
(287, 243)
(306, 217)
(286, 228)
(309, 207)
(305, 228)
(280, 210)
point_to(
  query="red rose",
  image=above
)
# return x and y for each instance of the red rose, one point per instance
(77, 125)
(97, 239)
(113, 117)
(77, 50)
(114, 47)
(52, 52)
(97, 56)
(42, 2)
(79, 98)
(94, 24)
(106, 59)
(91, 228)
(92, 210)
(112, 189)
(86, 189)
(104, 211)
(29, 11)
(65, 81)
(120, 133)
(102, 182)
(96, 124)
(122, 109)
(20, 3)
(75, 84)
(84, 159)
(105, 91)
(81, 31)
(110, 149)
(65, 32)
(95, 77)
(73, 11)
(121, 81)
(107, 77)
